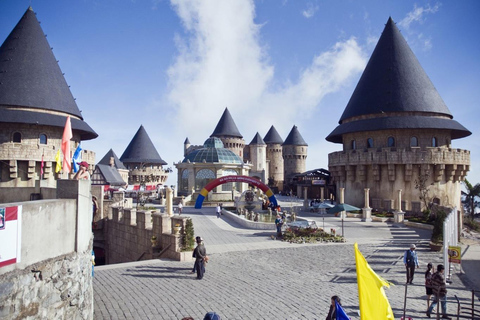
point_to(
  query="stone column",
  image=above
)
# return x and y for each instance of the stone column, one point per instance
(322, 193)
(305, 197)
(169, 202)
(367, 211)
(399, 214)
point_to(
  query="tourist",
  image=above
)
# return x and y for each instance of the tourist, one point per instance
(200, 254)
(440, 292)
(410, 260)
(219, 210)
(180, 207)
(332, 315)
(82, 173)
(428, 282)
(212, 316)
(279, 224)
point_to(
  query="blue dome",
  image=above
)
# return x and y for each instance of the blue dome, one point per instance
(213, 152)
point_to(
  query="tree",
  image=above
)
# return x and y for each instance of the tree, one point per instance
(470, 194)
(424, 189)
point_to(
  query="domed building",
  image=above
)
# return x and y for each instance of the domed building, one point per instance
(396, 131)
(35, 101)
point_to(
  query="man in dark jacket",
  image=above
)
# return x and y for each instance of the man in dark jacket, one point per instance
(200, 253)
(440, 291)
(410, 260)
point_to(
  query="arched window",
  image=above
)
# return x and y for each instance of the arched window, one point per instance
(434, 142)
(43, 138)
(17, 137)
(184, 181)
(354, 145)
(228, 186)
(391, 142)
(203, 177)
(369, 143)
(413, 142)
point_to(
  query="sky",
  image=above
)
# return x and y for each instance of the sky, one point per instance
(174, 66)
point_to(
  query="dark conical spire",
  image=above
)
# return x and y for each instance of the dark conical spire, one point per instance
(31, 80)
(294, 138)
(226, 126)
(395, 92)
(257, 140)
(141, 150)
(272, 136)
(106, 160)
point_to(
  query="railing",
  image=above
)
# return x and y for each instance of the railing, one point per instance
(465, 312)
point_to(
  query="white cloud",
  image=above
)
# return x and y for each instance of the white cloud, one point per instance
(417, 15)
(310, 11)
(222, 63)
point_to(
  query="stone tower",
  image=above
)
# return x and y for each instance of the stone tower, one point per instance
(35, 101)
(227, 131)
(143, 161)
(258, 157)
(274, 158)
(186, 145)
(294, 151)
(397, 129)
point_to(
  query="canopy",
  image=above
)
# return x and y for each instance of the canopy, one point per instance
(342, 207)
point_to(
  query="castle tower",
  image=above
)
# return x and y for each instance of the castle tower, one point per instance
(227, 131)
(258, 157)
(143, 161)
(274, 159)
(186, 145)
(294, 151)
(397, 129)
(35, 101)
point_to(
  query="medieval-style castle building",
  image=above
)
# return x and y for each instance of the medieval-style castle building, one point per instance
(35, 101)
(271, 160)
(396, 131)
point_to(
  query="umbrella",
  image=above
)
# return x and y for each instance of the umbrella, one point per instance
(324, 205)
(342, 207)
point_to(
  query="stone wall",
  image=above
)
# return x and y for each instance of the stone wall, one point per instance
(53, 279)
(128, 234)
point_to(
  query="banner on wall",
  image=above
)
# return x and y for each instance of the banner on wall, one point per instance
(10, 235)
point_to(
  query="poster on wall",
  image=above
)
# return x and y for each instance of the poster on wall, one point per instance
(10, 235)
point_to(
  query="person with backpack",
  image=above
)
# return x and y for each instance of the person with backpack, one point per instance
(439, 287)
(428, 282)
(410, 260)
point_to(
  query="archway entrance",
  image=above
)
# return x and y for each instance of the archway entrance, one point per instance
(212, 184)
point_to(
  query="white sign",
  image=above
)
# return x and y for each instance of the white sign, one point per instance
(10, 235)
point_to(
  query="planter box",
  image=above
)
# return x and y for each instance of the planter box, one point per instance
(436, 246)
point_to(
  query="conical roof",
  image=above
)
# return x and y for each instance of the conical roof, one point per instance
(106, 160)
(257, 140)
(294, 138)
(31, 81)
(141, 150)
(226, 126)
(272, 136)
(394, 92)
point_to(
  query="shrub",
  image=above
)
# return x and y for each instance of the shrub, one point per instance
(437, 233)
(188, 237)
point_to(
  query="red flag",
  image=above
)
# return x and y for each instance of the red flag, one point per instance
(67, 135)
(41, 168)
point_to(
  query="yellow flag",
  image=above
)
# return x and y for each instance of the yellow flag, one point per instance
(58, 167)
(372, 299)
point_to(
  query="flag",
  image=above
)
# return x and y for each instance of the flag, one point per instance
(67, 135)
(77, 158)
(371, 295)
(58, 166)
(41, 168)
(340, 314)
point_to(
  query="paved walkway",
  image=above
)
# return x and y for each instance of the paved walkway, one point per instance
(250, 276)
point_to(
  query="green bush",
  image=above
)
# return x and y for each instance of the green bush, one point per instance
(472, 224)
(437, 233)
(188, 236)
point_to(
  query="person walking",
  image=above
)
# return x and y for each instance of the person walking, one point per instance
(410, 260)
(200, 258)
(219, 210)
(279, 224)
(332, 315)
(440, 292)
(428, 282)
(180, 208)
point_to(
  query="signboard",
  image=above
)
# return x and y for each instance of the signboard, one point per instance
(318, 182)
(454, 254)
(10, 235)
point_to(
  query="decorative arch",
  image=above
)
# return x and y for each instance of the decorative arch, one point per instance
(212, 184)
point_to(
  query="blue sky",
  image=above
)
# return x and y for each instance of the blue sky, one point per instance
(174, 66)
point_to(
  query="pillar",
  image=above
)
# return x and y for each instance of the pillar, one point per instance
(322, 193)
(169, 202)
(341, 199)
(305, 198)
(399, 214)
(367, 211)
